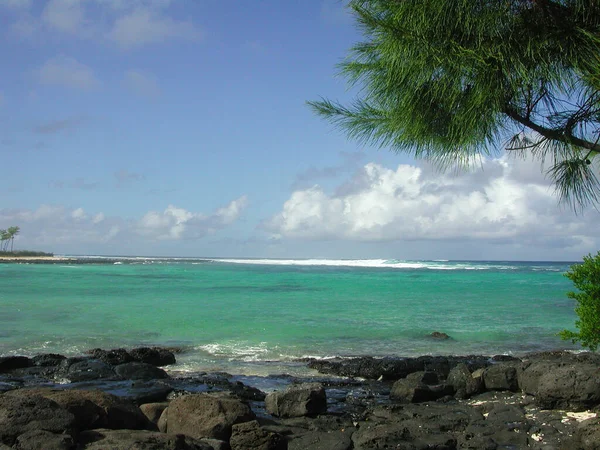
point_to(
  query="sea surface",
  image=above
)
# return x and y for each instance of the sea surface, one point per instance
(257, 317)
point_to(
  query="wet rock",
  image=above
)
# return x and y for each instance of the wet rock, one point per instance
(103, 439)
(44, 440)
(92, 409)
(19, 415)
(8, 363)
(48, 360)
(395, 368)
(206, 415)
(250, 436)
(307, 399)
(113, 357)
(463, 382)
(156, 356)
(140, 371)
(501, 377)
(439, 335)
(89, 369)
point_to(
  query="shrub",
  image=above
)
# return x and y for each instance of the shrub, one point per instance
(586, 278)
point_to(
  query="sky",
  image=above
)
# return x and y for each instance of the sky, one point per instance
(180, 128)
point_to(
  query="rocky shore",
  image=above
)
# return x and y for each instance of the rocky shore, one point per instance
(125, 399)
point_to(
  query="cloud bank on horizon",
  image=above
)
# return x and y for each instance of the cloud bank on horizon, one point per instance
(166, 127)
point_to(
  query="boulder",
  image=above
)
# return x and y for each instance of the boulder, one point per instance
(89, 369)
(103, 439)
(113, 357)
(44, 440)
(153, 355)
(576, 387)
(418, 387)
(206, 415)
(587, 435)
(439, 335)
(20, 414)
(8, 363)
(322, 440)
(297, 400)
(47, 360)
(153, 411)
(140, 371)
(501, 377)
(92, 409)
(463, 382)
(250, 436)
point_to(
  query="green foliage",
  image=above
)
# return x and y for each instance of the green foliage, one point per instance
(24, 253)
(8, 236)
(447, 80)
(586, 278)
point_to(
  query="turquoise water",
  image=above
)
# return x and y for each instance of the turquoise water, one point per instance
(257, 316)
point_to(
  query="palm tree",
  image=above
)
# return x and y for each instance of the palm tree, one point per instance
(12, 232)
(3, 239)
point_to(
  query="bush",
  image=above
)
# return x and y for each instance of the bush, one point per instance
(586, 278)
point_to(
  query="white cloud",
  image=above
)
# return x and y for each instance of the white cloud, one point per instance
(142, 84)
(67, 72)
(146, 26)
(128, 23)
(52, 226)
(177, 223)
(504, 201)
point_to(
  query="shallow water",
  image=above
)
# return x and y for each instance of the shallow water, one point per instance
(257, 316)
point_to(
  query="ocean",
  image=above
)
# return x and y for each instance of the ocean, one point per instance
(258, 317)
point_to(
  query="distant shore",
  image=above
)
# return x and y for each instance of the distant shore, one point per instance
(53, 260)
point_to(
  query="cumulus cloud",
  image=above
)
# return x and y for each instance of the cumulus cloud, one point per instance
(504, 200)
(142, 84)
(52, 225)
(67, 72)
(66, 16)
(177, 223)
(56, 226)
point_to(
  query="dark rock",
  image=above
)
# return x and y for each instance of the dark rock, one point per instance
(19, 415)
(588, 435)
(395, 368)
(153, 355)
(8, 363)
(89, 369)
(463, 382)
(250, 436)
(414, 389)
(244, 392)
(44, 440)
(308, 399)
(140, 391)
(206, 415)
(92, 409)
(48, 359)
(323, 440)
(102, 439)
(439, 335)
(576, 387)
(113, 357)
(501, 377)
(140, 371)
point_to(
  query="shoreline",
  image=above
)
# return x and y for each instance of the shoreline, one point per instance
(547, 400)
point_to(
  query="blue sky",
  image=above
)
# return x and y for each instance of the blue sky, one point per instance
(179, 127)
